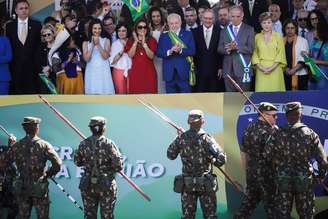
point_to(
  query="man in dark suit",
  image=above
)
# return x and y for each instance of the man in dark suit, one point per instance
(24, 36)
(176, 67)
(287, 8)
(252, 11)
(207, 59)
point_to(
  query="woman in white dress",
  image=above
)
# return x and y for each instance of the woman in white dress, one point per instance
(98, 78)
(155, 15)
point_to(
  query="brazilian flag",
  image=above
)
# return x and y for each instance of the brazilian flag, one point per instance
(137, 7)
(316, 71)
(48, 83)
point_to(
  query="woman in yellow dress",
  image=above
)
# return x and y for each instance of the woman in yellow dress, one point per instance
(269, 57)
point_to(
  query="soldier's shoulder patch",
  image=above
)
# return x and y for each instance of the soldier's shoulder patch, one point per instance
(306, 130)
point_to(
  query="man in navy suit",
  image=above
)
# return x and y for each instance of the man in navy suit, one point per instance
(208, 61)
(175, 64)
(25, 38)
(252, 11)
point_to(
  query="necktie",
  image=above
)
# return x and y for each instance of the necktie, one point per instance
(207, 37)
(235, 31)
(303, 33)
(251, 5)
(23, 34)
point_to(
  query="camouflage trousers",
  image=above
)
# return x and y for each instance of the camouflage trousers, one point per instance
(255, 192)
(106, 199)
(7, 201)
(41, 206)
(207, 203)
(304, 204)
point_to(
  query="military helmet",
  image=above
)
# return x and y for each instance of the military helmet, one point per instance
(195, 115)
(266, 106)
(291, 106)
(29, 120)
(97, 120)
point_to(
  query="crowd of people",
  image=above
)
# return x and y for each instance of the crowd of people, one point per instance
(176, 47)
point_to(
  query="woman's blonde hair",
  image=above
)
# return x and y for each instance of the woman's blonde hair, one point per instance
(48, 27)
(265, 16)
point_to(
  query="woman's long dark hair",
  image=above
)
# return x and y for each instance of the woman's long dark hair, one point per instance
(322, 30)
(320, 16)
(123, 24)
(149, 15)
(93, 22)
(142, 19)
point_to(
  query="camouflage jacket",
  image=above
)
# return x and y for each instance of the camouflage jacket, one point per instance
(30, 156)
(194, 147)
(98, 156)
(292, 148)
(253, 142)
(7, 170)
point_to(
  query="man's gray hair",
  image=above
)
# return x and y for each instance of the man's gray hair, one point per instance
(236, 7)
(173, 15)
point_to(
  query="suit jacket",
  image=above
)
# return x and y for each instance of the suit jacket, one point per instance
(176, 61)
(259, 7)
(24, 66)
(207, 60)
(286, 8)
(245, 41)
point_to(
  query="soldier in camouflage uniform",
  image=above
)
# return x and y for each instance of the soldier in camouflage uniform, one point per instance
(259, 172)
(30, 155)
(291, 150)
(101, 160)
(198, 152)
(7, 173)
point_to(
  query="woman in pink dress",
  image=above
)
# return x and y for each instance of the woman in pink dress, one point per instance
(141, 48)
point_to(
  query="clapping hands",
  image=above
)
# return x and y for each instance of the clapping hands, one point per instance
(176, 48)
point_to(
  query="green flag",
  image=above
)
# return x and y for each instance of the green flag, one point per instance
(316, 71)
(137, 7)
(48, 83)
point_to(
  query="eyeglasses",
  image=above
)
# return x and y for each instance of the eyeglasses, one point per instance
(141, 27)
(302, 19)
(314, 18)
(46, 34)
(23, 8)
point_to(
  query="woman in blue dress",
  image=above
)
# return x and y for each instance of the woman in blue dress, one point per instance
(5, 58)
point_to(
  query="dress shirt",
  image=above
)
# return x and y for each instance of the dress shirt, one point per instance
(301, 30)
(191, 27)
(20, 26)
(238, 28)
(277, 27)
(251, 4)
(210, 31)
(310, 5)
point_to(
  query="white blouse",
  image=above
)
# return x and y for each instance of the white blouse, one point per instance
(125, 62)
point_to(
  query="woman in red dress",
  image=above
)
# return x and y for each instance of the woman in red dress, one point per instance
(141, 49)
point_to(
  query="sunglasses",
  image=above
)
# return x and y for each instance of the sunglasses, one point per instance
(302, 19)
(314, 18)
(141, 27)
(46, 34)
